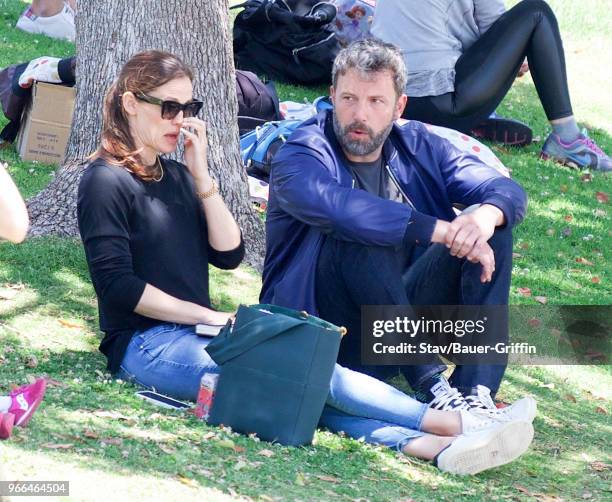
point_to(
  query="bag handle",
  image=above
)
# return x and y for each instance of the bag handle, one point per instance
(231, 342)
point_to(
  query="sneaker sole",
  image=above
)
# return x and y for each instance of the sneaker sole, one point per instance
(506, 132)
(563, 162)
(508, 443)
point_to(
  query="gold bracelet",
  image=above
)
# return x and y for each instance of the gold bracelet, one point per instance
(209, 193)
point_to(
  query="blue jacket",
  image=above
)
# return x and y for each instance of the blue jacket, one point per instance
(312, 195)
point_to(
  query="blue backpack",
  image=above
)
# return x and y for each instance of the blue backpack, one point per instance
(258, 147)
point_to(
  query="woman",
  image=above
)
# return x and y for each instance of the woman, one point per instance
(17, 407)
(150, 226)
(463, 56)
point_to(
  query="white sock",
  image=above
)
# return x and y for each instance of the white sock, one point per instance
(5, 403)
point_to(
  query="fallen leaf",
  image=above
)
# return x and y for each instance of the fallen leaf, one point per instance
(517, 255)
(566, 232)
(125, 453)
(57, 446)
(168, 450)
(584, 261)
(595, 280)
(112, 414)
(601, 410)
(602, 197)
(563, 188)
(550, 232)
(570, 397)
(187, 481)
(31, 362)
(568, 217)
(239, 449)
(534, 323)
(524, 245)
(300, 480)
(329, 479)
(541, 299)
(68, 324)
(226, 443)
(586, 178)
(265, 453)
(587, 495)
(547, 385)
(112, 441)
(91, 434)
(600, 466)
(600, 213)
(208, 435)
(51, 382)
(524, 291)
(524, 490)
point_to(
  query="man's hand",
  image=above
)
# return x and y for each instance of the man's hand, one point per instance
(468, 234)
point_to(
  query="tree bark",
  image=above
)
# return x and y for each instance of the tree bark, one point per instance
(109, 32)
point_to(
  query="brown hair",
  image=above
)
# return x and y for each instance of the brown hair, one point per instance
(142, 73)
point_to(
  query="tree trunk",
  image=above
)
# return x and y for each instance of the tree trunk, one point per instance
(109, 32)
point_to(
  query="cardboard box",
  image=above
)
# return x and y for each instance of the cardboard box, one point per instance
(45, 125)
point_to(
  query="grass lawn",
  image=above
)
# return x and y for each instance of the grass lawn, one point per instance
(92, 431)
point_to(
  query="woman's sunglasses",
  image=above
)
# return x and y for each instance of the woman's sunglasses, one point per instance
(170, 109)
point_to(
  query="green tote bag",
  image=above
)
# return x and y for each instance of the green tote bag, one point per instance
(276, 366)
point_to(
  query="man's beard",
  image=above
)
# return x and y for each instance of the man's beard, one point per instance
(357, 147)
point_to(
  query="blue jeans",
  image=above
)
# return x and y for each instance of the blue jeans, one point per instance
(170, 358)
(351, 274)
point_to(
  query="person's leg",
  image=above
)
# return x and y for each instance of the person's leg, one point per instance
(437, 278)
(52, 18)
(170, 359)
(487, 446)
(350, 275)
(485, 72)
(47, 8)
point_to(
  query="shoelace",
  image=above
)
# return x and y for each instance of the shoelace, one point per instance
(593, 146)
(452, 399)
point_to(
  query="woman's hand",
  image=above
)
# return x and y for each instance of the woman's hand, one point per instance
(196, 150)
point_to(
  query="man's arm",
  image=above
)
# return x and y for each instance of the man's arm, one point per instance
(303, 187)
(14, 220)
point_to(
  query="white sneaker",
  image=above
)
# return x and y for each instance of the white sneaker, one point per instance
(523, 409)
(59, 26)
(491, 447)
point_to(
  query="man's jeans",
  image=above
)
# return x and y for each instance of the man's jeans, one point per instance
(170, 358)
(350, 275)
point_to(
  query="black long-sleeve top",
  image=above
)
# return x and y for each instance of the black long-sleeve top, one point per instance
(137, 232)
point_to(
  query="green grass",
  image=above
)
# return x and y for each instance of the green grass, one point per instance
(94, 432)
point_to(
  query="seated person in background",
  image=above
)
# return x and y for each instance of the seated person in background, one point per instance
(151, 226)
(463, 57)
(361, 213)
(53, 18)
(16, 408)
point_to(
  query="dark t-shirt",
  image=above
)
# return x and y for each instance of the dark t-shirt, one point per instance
(374, 178)
(137, 232)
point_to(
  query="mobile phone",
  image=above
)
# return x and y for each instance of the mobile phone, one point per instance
(161, 400)
(208, 330)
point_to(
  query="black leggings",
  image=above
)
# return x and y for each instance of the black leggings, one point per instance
(486, 71)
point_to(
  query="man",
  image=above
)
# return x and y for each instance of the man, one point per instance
(361, 213)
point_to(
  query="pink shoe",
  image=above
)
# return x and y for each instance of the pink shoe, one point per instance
(6, 425)
(25, 401)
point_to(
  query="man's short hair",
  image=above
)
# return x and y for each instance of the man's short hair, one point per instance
(369, 56)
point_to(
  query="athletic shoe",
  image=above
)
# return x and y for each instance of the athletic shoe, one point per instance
(524, 409)
(581, 153)
(60, 25)
(25, 401)
(7, 421)
(491, 447)
(447, 398)
(503, 130)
